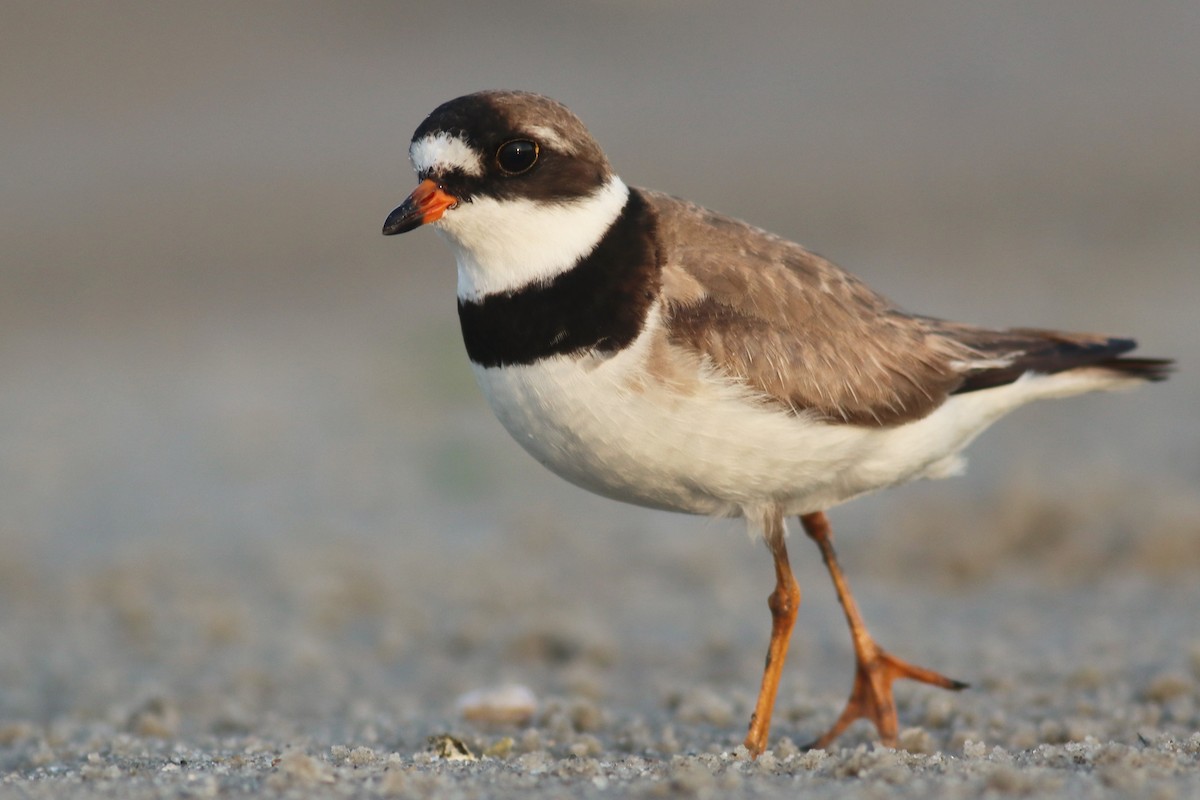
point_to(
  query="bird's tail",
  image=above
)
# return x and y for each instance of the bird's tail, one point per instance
(1007, 355)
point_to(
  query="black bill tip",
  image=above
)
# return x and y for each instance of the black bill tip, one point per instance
(406, 217)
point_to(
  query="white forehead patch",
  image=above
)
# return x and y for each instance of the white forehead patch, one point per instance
(441, 151)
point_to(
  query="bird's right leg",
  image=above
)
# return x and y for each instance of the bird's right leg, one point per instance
(784, 603)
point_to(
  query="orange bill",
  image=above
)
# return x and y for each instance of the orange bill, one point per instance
(426, 204)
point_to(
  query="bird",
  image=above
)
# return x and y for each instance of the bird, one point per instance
(658, 353)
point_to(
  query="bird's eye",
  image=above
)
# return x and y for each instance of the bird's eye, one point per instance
(517, 156)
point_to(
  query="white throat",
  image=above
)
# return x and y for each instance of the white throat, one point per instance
(502, 245)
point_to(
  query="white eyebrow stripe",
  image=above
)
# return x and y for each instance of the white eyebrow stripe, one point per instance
(443, 151)
(550, 136)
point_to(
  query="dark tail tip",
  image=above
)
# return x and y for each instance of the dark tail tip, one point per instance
(1148, 369)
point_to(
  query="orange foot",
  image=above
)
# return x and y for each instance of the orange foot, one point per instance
(871, 697)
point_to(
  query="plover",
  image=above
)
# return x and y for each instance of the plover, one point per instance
(662, 354)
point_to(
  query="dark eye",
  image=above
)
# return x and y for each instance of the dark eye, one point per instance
(517, 156)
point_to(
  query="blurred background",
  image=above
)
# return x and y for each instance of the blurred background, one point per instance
(208, 351)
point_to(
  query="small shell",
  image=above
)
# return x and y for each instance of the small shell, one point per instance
(513, 704)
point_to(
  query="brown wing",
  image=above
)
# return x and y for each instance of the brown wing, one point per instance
(812, 337)
(794, 326)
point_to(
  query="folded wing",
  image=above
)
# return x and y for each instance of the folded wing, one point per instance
(806, 334)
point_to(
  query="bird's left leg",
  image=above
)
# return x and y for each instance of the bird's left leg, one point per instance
(875, 668)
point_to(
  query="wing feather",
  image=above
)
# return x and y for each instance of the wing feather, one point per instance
(805, 334)
(794, 326)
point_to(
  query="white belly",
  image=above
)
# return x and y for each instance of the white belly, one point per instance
(716, 450)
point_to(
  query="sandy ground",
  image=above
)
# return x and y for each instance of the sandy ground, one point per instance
(259, 534)
(322, 668)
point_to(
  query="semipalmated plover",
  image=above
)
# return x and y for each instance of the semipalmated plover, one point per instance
(659, 353)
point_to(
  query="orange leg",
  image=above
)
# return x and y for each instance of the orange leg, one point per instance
(875, 668)
(784, 603)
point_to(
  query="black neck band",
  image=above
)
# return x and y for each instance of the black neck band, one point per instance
(599, 304)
